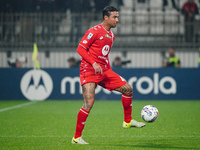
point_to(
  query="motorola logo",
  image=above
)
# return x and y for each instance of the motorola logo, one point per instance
(36, 85)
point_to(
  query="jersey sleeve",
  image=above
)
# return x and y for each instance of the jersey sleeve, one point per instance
(88, 39)
(84, 54)
(84, 45)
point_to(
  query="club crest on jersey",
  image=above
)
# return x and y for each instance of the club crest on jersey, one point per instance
(89, 36)
(108, 36)
(105, 50)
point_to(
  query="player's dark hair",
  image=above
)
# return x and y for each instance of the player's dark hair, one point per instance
(107, 10)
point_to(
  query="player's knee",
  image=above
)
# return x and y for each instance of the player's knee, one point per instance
(130, 90)
(88, 105)
(126, 89)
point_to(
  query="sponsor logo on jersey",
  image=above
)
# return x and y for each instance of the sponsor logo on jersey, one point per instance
(84, 42)
(89, 36)
(108, 36)
(101, 57)
(105, 50)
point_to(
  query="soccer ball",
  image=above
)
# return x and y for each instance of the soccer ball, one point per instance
(149, 113)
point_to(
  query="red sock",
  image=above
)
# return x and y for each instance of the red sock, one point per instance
(81, 119)
(127, 104)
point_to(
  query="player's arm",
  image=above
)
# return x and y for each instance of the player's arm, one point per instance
(97, 68)
(84, 54)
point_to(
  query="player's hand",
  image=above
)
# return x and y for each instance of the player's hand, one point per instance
(97, 68)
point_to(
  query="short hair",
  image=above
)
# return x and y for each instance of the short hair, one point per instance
(107, 10)
(71, 59)
(117, 58)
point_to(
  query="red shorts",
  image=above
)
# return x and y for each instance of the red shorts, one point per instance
(109, 79)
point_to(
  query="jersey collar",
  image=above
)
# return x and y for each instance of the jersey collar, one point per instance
(105, 29)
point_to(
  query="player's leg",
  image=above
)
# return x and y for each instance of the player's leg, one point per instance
(88, 96)
(125, 89)
(127, 96)
(113, 81)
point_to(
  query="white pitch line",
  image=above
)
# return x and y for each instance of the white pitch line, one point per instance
(17, 106)
(101, 136)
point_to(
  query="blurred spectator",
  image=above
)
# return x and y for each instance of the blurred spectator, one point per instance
(189, 10)
(6, 8)
(172, 60)
(174, 5)
(72, 62)
(47, 8)
(78, 9)
(118, 63)
(27, 22)
(18, 62)
(199, 62)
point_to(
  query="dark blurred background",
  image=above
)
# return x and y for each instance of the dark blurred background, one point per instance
(147, 29)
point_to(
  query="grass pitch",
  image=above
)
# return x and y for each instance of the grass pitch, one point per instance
(50, 125)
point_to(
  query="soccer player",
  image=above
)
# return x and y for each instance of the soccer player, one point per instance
(95, 70)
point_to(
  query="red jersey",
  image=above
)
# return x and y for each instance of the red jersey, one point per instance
(97, 41)
(190, 8)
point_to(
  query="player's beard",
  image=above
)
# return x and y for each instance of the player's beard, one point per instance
(113, 26)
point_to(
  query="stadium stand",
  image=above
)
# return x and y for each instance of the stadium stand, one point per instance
(144, 34)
